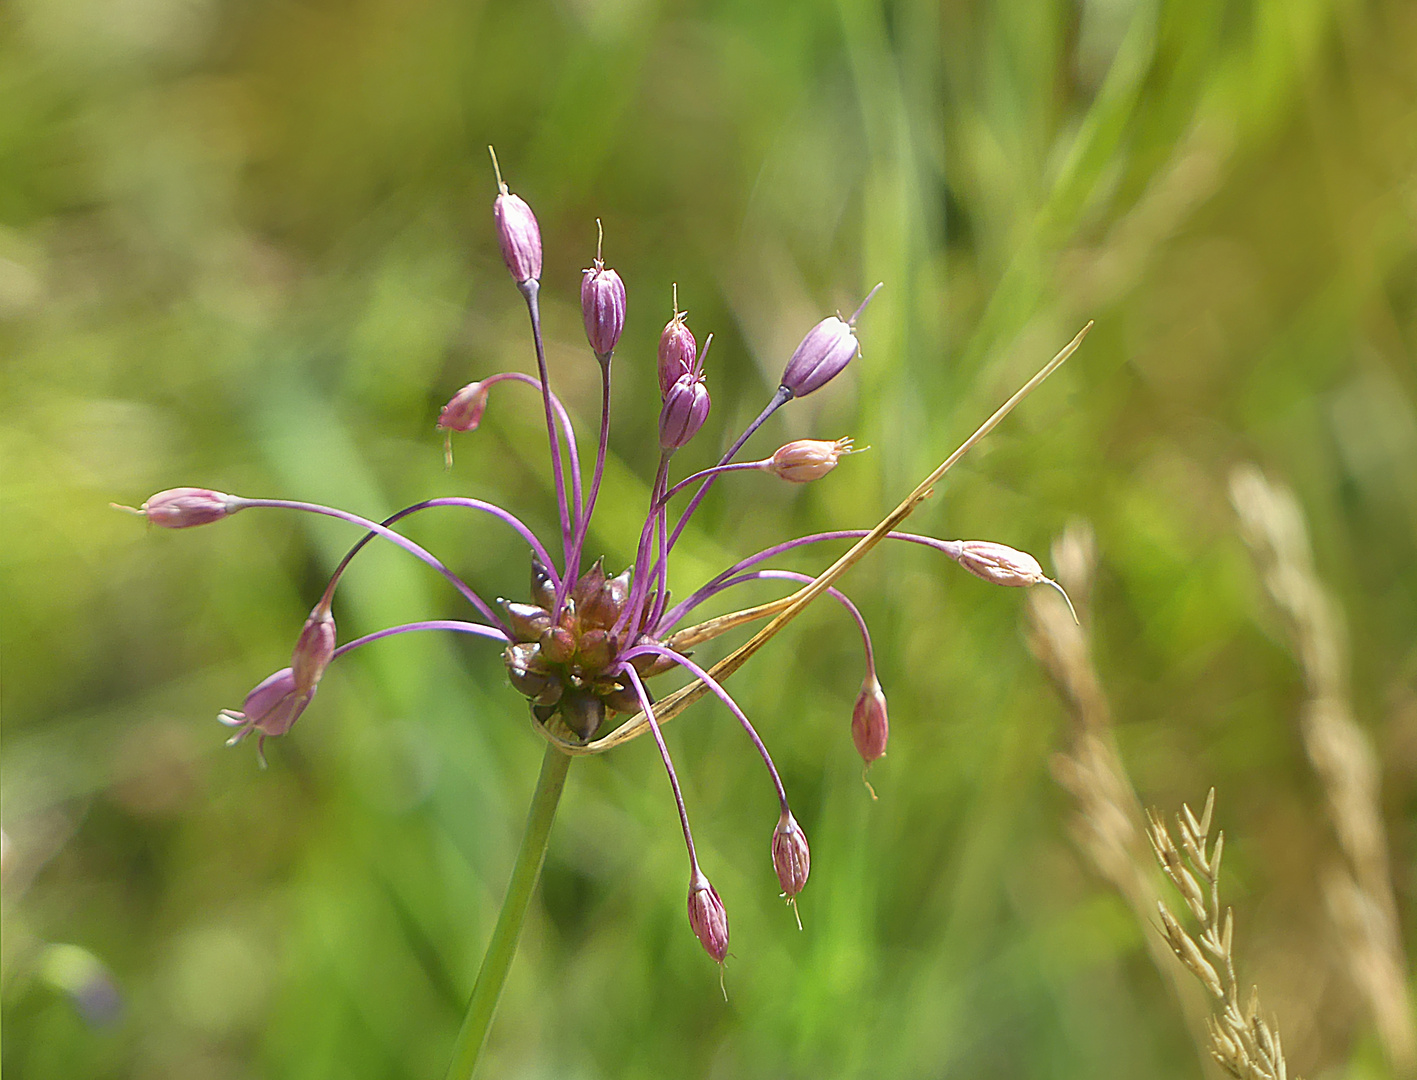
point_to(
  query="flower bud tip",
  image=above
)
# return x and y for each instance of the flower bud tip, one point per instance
(791, 858)
(870, 726)
(805, 460)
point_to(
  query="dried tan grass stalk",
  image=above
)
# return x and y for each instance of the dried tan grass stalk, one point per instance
(1240, 1040)
(1359, 895)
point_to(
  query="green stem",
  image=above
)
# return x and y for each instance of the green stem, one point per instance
(503, 945)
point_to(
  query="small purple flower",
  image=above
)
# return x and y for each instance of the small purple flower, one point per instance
(602, 307)
(464, 410)
(678, 351)
(791, 857)
(707, 917)
(271, 708)
(824, 353)
(869, 725)
(686, 407)
(518, 234)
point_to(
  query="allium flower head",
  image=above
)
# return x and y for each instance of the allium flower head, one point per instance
(583, 645)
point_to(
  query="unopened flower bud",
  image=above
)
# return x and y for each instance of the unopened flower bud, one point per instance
(464, 411)
(678, 352)
(603, 308)
(707, 917)
(314, 648)
(604, 607)
(270, 708)
(791, 857)
(807, 459)
(582, 713)
(182, 508)
(999, 564)
(869, 725)
(686, 407)
(824, 353)
(518, 235)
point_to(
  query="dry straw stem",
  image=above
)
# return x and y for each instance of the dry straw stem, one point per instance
(788, 608)
(1108, 823)
(1240, 1040)
(1359, 893)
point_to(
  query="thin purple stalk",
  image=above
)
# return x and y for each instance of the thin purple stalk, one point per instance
(388, 534)
(573, 565)
(452, 500)
(457, 626)
(562, 417)
(709, 588)
(736, 467)
(779, 399)
(708, 680)
(529, 289)
(835, 593)
(648, 709)
(644, 570)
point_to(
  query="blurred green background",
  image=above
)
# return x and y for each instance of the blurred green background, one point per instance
(249, 246)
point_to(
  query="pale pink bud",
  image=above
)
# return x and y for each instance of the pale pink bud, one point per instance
(182, 508)
(270, 708)
(314, 648)
(1002, 565)
(602, 307)
(869, 725)
(791, 857)
(464, 411)
(678, 352)
(686, 407)
(998, 564)
(707, 917)
(807, 459)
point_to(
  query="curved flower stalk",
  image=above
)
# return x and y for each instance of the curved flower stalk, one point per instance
(584, 645)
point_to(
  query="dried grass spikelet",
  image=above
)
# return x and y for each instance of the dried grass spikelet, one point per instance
(1242, 1042)
(1108, 824)
(1359, 895)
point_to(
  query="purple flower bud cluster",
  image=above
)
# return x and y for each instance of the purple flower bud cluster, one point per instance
(583, 646)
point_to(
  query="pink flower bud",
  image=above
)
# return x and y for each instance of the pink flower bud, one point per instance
(707, 917)
(464, 411)
(807, 459)
(791, 857)
(181, 508)
(603, 308)
(518, 235)
(678, 352)
(686, 407)
(869, 726)
(314, 648)
(824, 353)
(271, 708)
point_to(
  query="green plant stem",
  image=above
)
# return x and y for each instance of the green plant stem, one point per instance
(503, 946)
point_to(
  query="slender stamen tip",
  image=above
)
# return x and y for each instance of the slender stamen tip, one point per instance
(497, 171)
(599, 241)
(867, 782)
(1066, 599)
(127, 509)
(857, 313)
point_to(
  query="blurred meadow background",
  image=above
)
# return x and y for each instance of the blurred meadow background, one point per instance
(249, 246)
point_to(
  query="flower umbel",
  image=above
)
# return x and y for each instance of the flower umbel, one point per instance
(583, 645)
